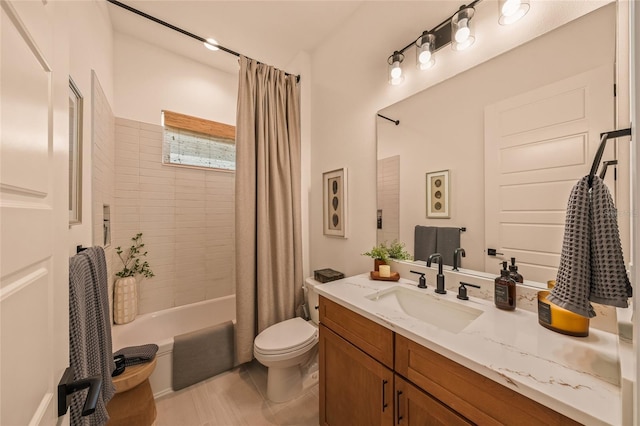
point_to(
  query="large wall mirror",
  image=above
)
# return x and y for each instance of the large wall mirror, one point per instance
(515, 133)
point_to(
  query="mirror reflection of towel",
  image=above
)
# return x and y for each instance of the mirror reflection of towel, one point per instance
(447, 241)
(435, 239)
(424, 242)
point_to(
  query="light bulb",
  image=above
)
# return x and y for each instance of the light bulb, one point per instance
(463, 31)
(211, 44)
(396, 71)
(424, 57)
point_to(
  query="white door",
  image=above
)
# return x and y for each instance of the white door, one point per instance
(33, 213)
(537, 146)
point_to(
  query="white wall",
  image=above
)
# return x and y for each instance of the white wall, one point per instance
(90, 48)
(349, 75)
(149, 79)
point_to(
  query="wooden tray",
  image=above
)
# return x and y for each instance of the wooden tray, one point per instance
(375, 275)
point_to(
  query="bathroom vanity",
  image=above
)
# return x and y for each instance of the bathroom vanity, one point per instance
(391, 353)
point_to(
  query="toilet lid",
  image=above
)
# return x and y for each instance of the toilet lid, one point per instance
(286, 335)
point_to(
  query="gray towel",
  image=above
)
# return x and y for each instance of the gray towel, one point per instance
(202, 354)
(591, 263)
(90, 351)
(447, 241)
(137, 354)
(424, 242)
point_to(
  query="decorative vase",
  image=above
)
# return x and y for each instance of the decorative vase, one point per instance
(377, 263)
(125, 300)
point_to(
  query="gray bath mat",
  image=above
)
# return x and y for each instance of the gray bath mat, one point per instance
(202, 354)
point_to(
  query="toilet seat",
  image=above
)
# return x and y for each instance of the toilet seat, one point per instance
(285, 337)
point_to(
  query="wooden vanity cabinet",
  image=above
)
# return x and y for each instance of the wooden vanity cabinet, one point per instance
(476, 397)
(356, 362)
(355, 389)
(370, 376)
(413, 407)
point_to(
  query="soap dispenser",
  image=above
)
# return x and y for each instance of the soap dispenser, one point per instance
(505, 290)
(513, 272)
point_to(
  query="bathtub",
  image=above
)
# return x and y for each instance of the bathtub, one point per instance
(160, 328)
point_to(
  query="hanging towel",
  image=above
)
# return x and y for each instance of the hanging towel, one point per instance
(90, 351)
(591, 263)
(424, 242)
(447, 241)
(137, 354)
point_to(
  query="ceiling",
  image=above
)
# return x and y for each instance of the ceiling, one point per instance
(273, 32)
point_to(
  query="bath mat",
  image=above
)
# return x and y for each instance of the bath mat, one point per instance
(202, 354)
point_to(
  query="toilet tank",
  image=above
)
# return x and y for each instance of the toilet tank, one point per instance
(311, 299)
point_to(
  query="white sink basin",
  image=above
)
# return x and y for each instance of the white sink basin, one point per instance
(426, 307)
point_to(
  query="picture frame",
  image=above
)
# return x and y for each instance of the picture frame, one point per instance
(438, 194)
(76, 106)
(335, 203)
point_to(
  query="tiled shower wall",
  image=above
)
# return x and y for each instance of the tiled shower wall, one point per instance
(102, 180)
(389, 198)
(186, 216)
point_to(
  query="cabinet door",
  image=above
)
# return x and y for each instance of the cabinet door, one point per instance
(355, 389)
(416, 408)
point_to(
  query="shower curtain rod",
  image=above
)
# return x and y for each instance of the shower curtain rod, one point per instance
(180, 30)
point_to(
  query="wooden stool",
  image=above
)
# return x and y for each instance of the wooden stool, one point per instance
(133, 403)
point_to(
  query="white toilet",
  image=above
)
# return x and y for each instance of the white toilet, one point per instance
(286, 346)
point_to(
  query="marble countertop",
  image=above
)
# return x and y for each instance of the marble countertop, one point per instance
(576, 376)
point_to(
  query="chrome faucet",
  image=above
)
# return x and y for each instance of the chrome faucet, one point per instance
(456, 257)
(440, 277)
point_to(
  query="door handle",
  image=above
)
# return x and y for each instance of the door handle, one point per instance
(384, 395)
(399, 416)
(67, 386)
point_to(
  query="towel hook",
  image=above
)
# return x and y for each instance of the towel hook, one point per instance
(603, 142)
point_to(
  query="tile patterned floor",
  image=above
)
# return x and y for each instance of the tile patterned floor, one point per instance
(237, 397)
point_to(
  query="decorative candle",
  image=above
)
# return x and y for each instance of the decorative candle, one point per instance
(385, 271)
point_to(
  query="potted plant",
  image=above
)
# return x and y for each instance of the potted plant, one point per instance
(125, 297)
(380, 255)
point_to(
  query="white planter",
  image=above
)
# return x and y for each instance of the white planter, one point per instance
(125, 300)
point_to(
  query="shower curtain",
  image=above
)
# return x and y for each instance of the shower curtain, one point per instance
(268, 217)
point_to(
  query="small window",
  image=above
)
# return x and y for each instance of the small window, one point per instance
(195, 142)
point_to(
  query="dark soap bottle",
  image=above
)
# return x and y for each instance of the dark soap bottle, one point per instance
(505, 290)
(513, 272)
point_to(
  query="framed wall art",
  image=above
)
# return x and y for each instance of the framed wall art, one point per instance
(438, 194)
(335, 203)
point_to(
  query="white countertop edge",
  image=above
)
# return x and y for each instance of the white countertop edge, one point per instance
(592, 413)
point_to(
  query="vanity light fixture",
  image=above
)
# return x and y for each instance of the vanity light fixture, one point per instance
(512, 10)
(395, 68)
(456, 30)
(461, 33)
(211, 44)
(425, 49)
